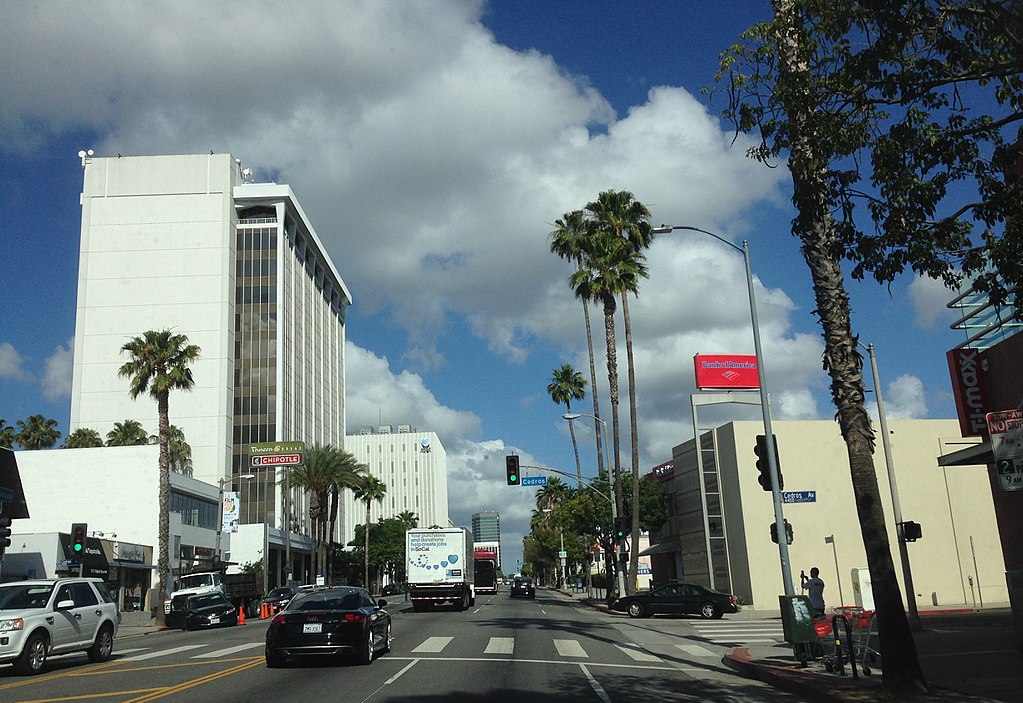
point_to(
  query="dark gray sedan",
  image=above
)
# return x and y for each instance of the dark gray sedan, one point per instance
(191, 612)
(679, 599)
(340, 621)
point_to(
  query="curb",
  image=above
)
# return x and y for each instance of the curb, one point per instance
(791, 679)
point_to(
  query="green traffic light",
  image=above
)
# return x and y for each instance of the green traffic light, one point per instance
(78, 547)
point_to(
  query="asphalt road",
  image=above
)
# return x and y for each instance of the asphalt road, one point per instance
(510, 650)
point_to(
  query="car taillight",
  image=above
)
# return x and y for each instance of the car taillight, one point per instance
(353, 617)
(279, 619)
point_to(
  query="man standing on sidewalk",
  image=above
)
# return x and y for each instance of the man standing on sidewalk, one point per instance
(814, 587)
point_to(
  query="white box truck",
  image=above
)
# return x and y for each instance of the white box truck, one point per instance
(439, 567)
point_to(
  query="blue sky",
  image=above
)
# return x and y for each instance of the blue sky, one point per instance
(432, 146)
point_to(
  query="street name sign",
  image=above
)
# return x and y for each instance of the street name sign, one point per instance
(534, 480)
(799, 496)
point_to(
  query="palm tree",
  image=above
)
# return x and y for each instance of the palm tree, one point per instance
(618, 213)
(180, 451)
(348, 474)
(372, 489)
(129, 433)
(612, 266)
(567, 242)
(37, 432)
(8, 435)
(315, 476)
(567, 385)
(81, 438)
(159, 363)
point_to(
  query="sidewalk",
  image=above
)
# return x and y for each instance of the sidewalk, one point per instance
(966, 655)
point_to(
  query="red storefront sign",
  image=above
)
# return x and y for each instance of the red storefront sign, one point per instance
(970, 390)
(726, 371)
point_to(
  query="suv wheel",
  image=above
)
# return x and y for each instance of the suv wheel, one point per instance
(33, 656)
(103, 647)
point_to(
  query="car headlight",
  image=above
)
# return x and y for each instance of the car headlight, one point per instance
(12, 624)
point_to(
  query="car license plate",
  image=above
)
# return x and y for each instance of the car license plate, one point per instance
(214, 621)
(312, 627)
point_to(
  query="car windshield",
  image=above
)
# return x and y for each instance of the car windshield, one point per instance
(207, 600)
(23, 597)
(279, 593)
(327, 600)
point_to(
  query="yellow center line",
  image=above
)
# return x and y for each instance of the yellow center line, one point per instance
(81, 697)
(157, 667)
(58, 675)
(196, 682)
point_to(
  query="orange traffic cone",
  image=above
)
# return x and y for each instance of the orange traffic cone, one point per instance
(241, 614)
(263, 611)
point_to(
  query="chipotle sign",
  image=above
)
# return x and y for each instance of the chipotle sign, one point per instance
(970, 390)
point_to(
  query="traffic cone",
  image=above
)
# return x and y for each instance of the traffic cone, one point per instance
(241, 615)
(262, 611)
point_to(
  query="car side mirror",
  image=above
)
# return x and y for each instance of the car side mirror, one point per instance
(381, 602)
(65, 605)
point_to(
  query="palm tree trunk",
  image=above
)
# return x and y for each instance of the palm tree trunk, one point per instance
(612, 381)
(575, 447)
(630, 584)
(163, 562)
(593, 386)
(815, 227)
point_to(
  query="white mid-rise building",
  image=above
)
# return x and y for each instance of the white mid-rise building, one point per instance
(414, 467)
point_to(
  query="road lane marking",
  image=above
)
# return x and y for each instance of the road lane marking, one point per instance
(162, 653)
(570, 648)
(500, 645)
(696, 650)
(637, 654)
(170, 690)
(597, 688)
(228, 651)
(433, 645)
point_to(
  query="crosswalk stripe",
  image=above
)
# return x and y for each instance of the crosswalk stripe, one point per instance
(433, 645)
(500, 645)
(229, 651)
(696, 650)
(570, 648)
(162, 653)
(637, 654)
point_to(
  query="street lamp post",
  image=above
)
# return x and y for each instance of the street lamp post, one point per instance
(912, 617)
(772, 463)
(614, 506)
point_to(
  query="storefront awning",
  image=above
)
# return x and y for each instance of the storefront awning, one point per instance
(661, 548)
(971, 456)
(133, 565)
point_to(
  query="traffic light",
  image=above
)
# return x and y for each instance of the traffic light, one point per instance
(5, 533)
(911, 531)
(764, 479)
(511, 464)
(788, 532)
(619, 529)
(78, 532)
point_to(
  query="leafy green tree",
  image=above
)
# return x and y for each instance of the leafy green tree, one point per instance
(372, 490)
(897, 122)
(567, 242)
(619, 214)
(158, 362)
(8, 435)
(37, 432)
(567, 384)
(129, 433)
(348, 474)
(180, 450)
(82, 438)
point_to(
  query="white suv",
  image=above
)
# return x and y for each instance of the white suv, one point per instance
(42, 617)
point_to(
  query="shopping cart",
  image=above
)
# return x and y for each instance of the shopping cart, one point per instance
(828, 647)
(863, 645)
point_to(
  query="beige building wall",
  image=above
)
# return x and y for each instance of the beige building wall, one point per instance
(953, 506)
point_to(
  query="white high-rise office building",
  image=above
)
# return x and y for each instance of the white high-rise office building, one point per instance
(414, 467)
(187, 243)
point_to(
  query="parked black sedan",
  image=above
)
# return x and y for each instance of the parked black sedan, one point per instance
(191, 612)
(335, 621)
(678, 598)
(279, 598)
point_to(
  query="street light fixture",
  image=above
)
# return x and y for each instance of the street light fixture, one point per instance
(913, 617)
(614, 505)
(772, 460)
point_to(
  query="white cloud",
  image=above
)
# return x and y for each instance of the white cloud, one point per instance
(929, 298)
(56, 381)
(905, 399)
(11, 363)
